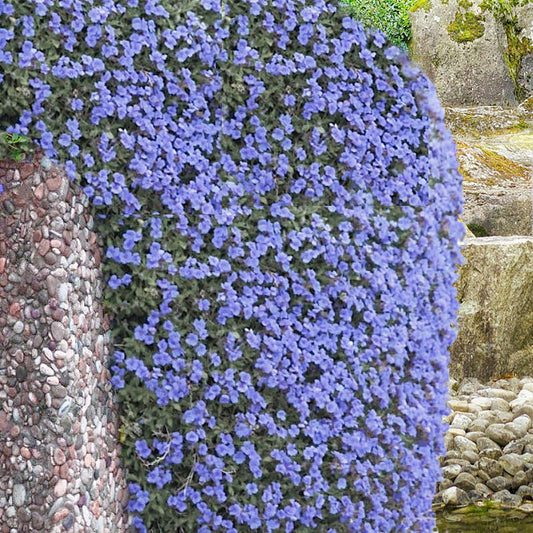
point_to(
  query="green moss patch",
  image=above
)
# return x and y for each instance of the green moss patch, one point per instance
(466, 27)
(516, 49)
(421, 4)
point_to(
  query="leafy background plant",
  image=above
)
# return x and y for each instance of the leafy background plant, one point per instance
(389, 16)
(14, 146)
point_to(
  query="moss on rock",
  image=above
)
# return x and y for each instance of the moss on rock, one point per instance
(466, 27)
(497, 169)
(528, 104)
(517, 48)
(505, 167)
(421, 4)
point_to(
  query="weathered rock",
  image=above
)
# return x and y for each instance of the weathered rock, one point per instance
(482, 489)
(454, 497)
(479, 425)
(512, 463)
(451, 471)
(506, 477)
(524, 399)
(463, 444)
(506, 500)
(491, 453)
(524, 410)
(463, 463)
(519, 426)
(461, 421)
(524, 24)
(495, 318)
(474, 436)
(498, 483)
(516, 446)
(482, 403)
(500, 208)
(19, 494)
(458, 405)
(524, 491)
(467, 68)
(493, 146)
(457, 432)
(54, 341)
(503, 394)
(502, 417)
(522, 478)
(499, 404)
(492, 467)
(442, 486)
(470, 456)
(500, 434)
(465, 481)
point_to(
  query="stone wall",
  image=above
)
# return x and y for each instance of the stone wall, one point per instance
(59, 452)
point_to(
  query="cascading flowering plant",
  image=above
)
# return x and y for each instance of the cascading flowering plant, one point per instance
(280, 200)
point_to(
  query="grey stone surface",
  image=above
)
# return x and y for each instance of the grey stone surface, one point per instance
(519, 426)
(500, 434)
(506, 499)
(454, 497)
(498, 483)
(464, 73)
(465, 481)
(512, 463)
(524, 23)
(451, 471)
(463, 444)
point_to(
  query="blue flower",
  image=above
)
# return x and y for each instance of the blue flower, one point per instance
(142, 449)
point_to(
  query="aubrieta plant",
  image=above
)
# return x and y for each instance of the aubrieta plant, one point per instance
(279, 201)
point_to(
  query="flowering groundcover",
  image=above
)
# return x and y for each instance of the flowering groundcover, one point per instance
(278, 198)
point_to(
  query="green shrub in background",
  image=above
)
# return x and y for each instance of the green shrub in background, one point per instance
(389, 16)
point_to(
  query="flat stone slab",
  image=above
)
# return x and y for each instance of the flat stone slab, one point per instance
(494, 147)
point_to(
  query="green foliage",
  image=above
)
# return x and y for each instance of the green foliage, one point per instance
(389, 16)
(477, 230)
(14, 146)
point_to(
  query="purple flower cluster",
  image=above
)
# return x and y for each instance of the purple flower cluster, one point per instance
(279, 198)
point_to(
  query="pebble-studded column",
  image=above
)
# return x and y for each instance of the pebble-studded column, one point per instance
(59, 450)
